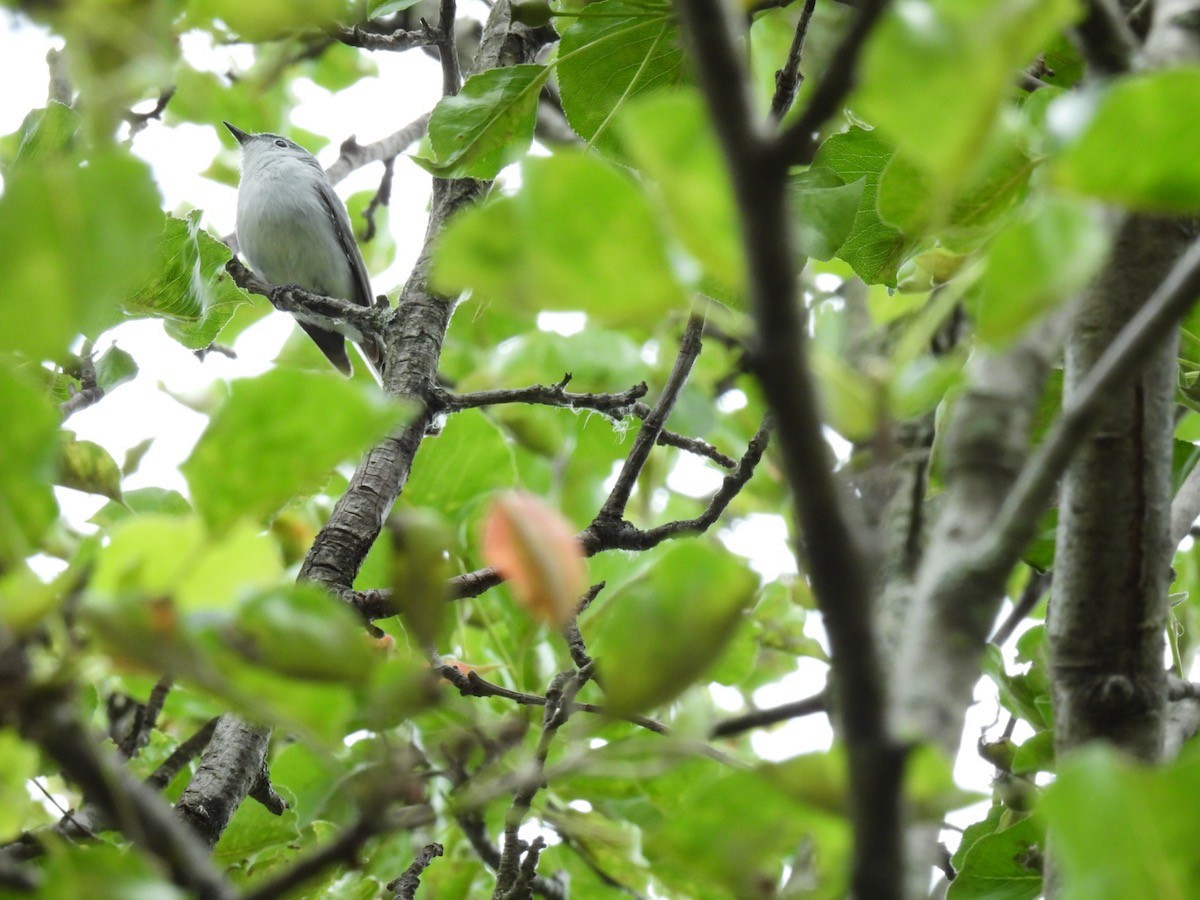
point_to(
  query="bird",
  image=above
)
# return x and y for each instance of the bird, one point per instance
(293, 229)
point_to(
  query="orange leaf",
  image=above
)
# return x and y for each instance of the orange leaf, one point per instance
(535, 549)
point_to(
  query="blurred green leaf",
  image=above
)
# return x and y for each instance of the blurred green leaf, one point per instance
(936, 73)
(86, 466)
(1035, 755)
(143, 501)
(1036, 263)
(662, 630)
(622, 49)
(1163, 175)
(269, 19)
(28, 450)
(279, 435)
(1120, 829)
(473, 459)
(76, 238)
(190, 289)
(487, 125)
(301, 631)
(772, 822)
(114, 368)
(670, 139)
(556, 244)
(46, 133)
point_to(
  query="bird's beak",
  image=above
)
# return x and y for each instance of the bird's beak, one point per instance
(241, 136)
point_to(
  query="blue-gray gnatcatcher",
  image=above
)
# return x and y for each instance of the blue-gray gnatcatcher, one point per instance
(293, 229)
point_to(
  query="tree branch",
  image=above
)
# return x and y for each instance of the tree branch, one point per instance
(598, 537)
(367, 320)
(406, 885)
(825, 516)
(47, 718)
(788, 78)
(761, 718)
(798, 142)
(1129, 350)
(355, 155)
(613, 509)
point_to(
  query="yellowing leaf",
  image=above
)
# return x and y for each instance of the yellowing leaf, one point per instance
(535, 549)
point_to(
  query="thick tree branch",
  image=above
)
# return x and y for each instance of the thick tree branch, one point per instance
(1108, 43)
(47, 719)
(839, 571)
(1125, 355)
(229, 769)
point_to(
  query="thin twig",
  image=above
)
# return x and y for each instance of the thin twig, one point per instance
(761, 718)
(181, 756)
(368, 320)
(448, 49)
(1035, 589)
(382, 197)
(788, 79)
(598, 537)
(355, 155)
(797, 143)
(652, 426)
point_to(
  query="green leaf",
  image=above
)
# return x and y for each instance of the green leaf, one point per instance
(1035, 755)
(772, 818)
(1004, 865)
(670, 139)
(46, 133)
(28, 450)
(579, 235)
(873, 248)
(161, 555)
(114, 368)
(622, 49)
(189, 288)
(486, 125)
(143, 501)
(1120, 829)
(267, 20)
(1163, 175)
(473, 458)
(104, 872)
(936, 73)
(88, 467)
(279, 435)
(301, 631)
(662, 630)
(823, 210)
(73, 240)
(921, 202)
(1035, 264)
(851, 400)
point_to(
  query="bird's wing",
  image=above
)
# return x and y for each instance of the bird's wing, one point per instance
(362, 282)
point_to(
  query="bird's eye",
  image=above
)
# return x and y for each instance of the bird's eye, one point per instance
(281, 143)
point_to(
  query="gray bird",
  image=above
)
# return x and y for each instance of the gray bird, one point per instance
(293, 229)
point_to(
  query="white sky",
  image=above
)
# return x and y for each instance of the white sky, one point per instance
(407, 86)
